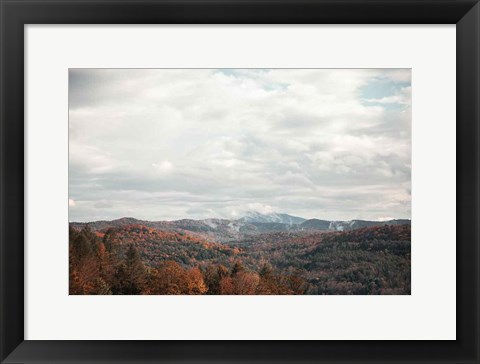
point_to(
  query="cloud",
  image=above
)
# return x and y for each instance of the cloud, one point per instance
(385, 218)
(102, 205)
(163, 167)
(402, 96)
(259, 207)
(168, 144)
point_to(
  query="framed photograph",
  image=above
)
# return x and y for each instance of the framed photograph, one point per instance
(208, 161)
(239, 181)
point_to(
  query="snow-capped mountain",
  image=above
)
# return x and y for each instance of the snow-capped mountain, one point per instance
(257, 217)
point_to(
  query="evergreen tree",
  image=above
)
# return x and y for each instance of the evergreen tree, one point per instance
(237, 268)
(130, 276)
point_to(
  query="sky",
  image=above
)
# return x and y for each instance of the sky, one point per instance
(167, 144)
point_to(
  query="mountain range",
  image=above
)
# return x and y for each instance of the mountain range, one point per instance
(224, 230)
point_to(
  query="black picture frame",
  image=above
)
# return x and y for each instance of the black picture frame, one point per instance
(16, 13)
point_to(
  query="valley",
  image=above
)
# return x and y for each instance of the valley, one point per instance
(260, 254)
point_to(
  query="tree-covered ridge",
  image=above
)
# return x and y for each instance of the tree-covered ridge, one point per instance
(155, 246)
(136, 259)
(230, 231)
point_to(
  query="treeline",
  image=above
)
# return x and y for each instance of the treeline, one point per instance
(101, 266)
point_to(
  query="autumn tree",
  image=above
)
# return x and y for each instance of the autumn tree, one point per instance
(295, 282)
(245, 283)
(212, 277)
(196, 284)
(226, 286)
(169, 279)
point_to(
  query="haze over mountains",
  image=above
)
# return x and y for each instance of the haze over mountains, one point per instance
(224, 230)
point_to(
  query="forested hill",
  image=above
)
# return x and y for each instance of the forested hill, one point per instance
(139, 259)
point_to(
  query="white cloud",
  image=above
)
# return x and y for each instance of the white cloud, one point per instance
(259, 207)
(385, 218)
(163, 167)
(167, 144)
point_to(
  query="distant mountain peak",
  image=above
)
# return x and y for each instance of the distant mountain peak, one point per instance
(273, 217)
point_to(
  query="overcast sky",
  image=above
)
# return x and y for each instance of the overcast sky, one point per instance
(172, 144)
